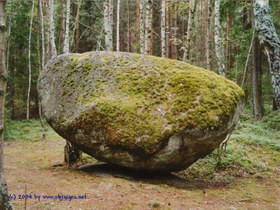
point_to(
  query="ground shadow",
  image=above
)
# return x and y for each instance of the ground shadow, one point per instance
(157, 178)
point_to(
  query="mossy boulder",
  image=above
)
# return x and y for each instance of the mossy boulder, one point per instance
(138, 111)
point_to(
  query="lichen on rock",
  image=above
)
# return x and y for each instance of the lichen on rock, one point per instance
(138, 111)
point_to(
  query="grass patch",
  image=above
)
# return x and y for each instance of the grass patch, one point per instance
(27, 130)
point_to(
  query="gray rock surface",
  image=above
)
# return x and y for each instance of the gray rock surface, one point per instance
(138, 111)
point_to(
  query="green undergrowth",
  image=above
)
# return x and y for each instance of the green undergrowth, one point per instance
(28, 130)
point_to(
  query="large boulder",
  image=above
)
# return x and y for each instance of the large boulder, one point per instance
(138, 111)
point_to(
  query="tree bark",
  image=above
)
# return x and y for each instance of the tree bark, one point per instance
(67, 26)
(258, 109)
(129, 44)
(192, 9)
(142, 26)
(53, 51)
(108, 24)
(269, 39)
(219, 48)
(148, 27)
(42, 26)
(208, 43)
(4, 201)
(163, 26)
(29, 63)
(118, 24)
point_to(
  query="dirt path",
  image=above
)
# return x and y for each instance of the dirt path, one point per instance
(30, 165)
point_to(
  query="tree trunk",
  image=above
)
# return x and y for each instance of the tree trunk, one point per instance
(62, 24)
(142, 26)
(174, 50)
(192, 8)
(207, 39)
(67, 26)
(258, 109)
(148, 27)
(118, 24)
(128, 28)
(4, 202)
(108, 24)
(219, 48)
(42, 34)
(163, 26)
(53, 52)
(269, 39)
(76, 36)
(29, 64)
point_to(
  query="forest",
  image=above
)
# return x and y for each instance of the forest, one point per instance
(114, 71)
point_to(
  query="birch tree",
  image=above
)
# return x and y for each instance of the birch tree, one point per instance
(163, 28)
(142, 26)
(148, 26)
(219, 48)
(192, 9)
(4, 202)
(53, 51)
(108, 24)
(269, 39)
(118, 24)
(29, 63)
(67, 26)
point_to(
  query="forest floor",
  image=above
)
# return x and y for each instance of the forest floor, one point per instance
(247, 178)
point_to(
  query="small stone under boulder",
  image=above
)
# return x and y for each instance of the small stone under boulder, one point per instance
(138, 111)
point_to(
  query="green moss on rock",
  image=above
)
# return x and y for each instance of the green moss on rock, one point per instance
(144, 99)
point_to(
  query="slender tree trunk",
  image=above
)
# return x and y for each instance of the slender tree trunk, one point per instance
(219, 48)
(128, 28)
(163, 26)
(77, 26)
(118, 24)
(108, 24)
(142, 26)
(4, 202)
(67, 26)
(229, 45)
(192, 9)
(62, 24)
(148, 26)
(174, 50)
(42, 34)
(208, 43)
(29, 63)
(258, 109)
(269, 39)
(53, 51)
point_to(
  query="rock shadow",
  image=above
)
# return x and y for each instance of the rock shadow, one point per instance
(157, 178)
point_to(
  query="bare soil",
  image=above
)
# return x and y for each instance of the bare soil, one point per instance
(37, 168)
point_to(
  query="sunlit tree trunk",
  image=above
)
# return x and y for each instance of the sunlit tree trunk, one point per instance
(67, 26)
(192, 9)
(148, 27)
(219, 48)
(29, 63)
(53, 52)
(4, 203)
(163, 26)
(108, 24)
(142, 26)
(269, 39)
